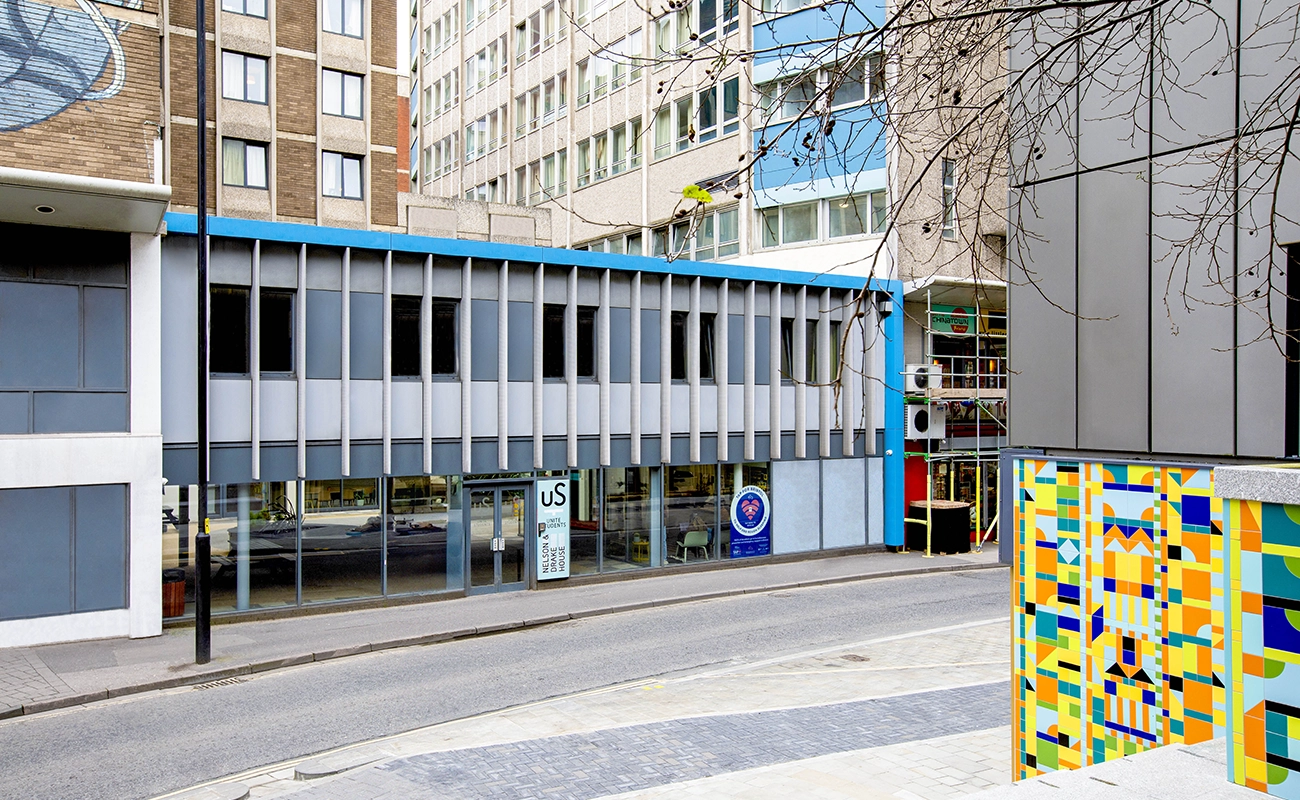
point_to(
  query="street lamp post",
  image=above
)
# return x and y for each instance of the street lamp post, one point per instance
(203, 558)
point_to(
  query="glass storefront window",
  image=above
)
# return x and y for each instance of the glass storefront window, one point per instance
(342, 543)
(735, 476)
(180, 526)
(417, 514)
(630, 518)
(584, 521)
(691, 512)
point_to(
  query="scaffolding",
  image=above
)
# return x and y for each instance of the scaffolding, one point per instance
(986, 375)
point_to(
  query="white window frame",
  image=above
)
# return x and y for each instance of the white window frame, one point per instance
(948, 229)
(242, 7)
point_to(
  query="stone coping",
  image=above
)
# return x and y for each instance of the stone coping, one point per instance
(1269, 483)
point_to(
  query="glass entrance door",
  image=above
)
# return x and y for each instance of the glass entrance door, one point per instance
(498, 541)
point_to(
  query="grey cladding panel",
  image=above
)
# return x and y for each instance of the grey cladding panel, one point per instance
(105, 337)
(735, 348)
(649, 346)
(1112, 329)
(230, 261)
(1197, 79)
(1191, 322)
(101, 547)
(79, 412)
(366, 272)
(620, 345)
(366, 334)
(39, 326)
(15, 412)
(484, 339)
(36, 538)
(408, 274)
(1041, 299)
(279, 265)
(324, 334)
(1055, 107)
(1114, 96)
(324, 268)
(762, 350)
(520, 345)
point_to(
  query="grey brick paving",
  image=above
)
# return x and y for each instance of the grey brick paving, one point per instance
(584, 766)
(24, 678)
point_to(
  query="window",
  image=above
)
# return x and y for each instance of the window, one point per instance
(850, 84)
(949, 199)
(548, 100)
(586, 342)
(620, 150)
(341, 175)
(548, 25)
(730, 16)
(249, 8)
(552, 341)
(243, 163)
(876, 76)
(243, 77)
(634, 135)
(405, 353)
(535, 109)
(858, 214)
(521, 115)
(521, 43)
(534, 183)
(680, 338)
(708, 112)
(684, 133)
(341, 94)
(731, 106)
(535, 35)
(584, 163)
(443, 352)
(275, 331)
(785, 6)
(563, 83)
(787, 349)
(789, 224)
(584, 83)
(787, 99)
(728, 232)
(716, 236)
(343, 16)
(600, 144)
(228, 330)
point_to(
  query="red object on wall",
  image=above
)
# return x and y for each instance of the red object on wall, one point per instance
(913, 479)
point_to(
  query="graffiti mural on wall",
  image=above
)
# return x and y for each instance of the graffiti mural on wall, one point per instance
(1119, 612)
(52, 57)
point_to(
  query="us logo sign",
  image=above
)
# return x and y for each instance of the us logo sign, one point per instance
(751, 511)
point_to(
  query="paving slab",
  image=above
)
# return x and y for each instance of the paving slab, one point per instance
(43, 678)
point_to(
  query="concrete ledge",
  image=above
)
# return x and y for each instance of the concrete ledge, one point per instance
(278, 663)
(326, 655)
(1273, 483)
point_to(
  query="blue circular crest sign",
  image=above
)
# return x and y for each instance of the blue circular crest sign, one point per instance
(750, 511)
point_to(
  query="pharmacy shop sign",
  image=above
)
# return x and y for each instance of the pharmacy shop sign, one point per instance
(552, 529)
(751, 513)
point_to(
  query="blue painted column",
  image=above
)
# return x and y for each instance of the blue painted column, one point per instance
(894, 418)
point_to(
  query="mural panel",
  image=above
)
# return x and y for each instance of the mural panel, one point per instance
(1118, 604)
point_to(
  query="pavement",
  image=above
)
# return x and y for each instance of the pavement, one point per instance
(47, 677)
(917, 716)
(1172, 772)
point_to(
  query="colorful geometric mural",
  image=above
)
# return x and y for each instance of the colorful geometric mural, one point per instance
(1118, 604)
(1264, 647)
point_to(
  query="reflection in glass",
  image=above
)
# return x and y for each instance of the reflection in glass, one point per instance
(584, 522)
(342, 543)
(735, 476)
(691, 511)
(628, 518)
(514, 533)
(179, 521)
(417, 534)
(482, 528)
(254, 544)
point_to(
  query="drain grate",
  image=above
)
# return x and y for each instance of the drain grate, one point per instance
(222, 682)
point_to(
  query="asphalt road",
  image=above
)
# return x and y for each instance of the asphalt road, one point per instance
(145, 745)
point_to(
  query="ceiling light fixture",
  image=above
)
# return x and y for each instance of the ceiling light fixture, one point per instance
(45, 209)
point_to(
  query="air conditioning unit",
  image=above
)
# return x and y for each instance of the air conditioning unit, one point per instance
(920, 378)
(927, 421)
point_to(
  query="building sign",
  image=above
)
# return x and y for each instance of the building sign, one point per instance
(961, 320)
(751, 512)
(552, 529)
